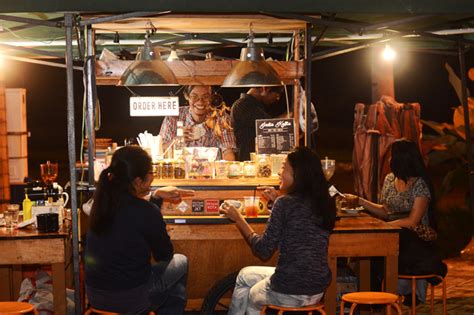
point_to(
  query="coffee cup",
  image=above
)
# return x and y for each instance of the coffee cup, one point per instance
(351, 201)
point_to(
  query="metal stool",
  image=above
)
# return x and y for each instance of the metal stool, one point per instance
(413, 290)
(14, 308)
(92, 310)
(281, 309)
(371, 298)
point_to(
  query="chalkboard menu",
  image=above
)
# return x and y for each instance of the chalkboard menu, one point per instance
(275, 136)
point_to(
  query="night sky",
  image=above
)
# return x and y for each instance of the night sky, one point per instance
(338, 84)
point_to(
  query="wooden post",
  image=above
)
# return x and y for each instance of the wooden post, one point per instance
(296, 91)
(4, 172)
(382, 75)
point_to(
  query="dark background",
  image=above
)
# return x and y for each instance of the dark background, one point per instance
(338, 84)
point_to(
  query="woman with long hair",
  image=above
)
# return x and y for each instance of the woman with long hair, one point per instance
(299, 226)
(407, 200)
(125, 231)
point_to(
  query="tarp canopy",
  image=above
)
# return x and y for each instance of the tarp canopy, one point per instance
(415, 25)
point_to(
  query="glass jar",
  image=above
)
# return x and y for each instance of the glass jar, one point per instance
(221, 168)
(178, 169)
(249, 169)
(200, 168)
(277, 162)
(156, 169)
(167, 170)
(264, 166)
(234, 169)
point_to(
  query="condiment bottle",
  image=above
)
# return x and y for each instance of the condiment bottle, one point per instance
(27, 205)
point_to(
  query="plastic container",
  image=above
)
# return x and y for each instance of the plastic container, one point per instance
(221, 168)
(249, 169)
(167, 170)
(179, 170)
(264, 166)
(234, 169)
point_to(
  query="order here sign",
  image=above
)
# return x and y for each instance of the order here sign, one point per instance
(154, 106)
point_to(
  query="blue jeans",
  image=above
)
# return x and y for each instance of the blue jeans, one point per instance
(168, 289)
(252, 291)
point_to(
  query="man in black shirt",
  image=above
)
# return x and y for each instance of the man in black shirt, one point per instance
(249, 107)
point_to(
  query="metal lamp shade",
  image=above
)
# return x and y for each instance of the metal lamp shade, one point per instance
(252, 70)
(148, 69)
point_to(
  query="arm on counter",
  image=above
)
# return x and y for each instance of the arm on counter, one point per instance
(374, 208)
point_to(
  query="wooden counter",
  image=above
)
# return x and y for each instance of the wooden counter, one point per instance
(209, 193)
(28, 246)
(216, 248)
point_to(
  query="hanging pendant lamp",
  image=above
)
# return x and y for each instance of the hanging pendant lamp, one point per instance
(252, 70)
(148, 69)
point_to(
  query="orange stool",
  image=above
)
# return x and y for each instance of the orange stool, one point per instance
(14, 308)
(92, 310)
(281, 309)
(371, 298)
(413, 290)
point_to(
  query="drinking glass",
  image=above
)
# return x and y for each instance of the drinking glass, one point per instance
(251, 206)
(11, 215)
(329, 166)
(49, 172)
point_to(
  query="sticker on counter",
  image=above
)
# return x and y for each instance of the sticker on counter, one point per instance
(183, 206)
(198, 205)
(211, 205)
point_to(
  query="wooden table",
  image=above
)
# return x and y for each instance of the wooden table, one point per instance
(216, 248)
(28, 246)
(362, 236)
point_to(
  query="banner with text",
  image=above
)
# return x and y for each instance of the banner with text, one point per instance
(154, 106)
(275, 136)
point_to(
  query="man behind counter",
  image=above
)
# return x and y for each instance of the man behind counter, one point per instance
(249, 107)
(202, 126)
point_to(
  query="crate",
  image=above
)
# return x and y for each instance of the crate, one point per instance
(15, 100)
(18, 169)
(17, 145)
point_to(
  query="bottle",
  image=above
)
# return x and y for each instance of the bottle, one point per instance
(179, 143)
(27, 205)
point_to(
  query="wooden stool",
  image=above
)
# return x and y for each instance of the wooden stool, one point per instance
(92, 310)
(281, 309)
(14, 308)
(371, 298)
(413, 291)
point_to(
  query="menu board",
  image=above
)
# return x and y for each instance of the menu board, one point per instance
(275, 136)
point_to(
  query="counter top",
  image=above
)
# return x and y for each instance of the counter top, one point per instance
(206, 184)
(28, 233)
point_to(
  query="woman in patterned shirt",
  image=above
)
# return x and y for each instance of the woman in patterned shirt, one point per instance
(407, 200)
(202, 126)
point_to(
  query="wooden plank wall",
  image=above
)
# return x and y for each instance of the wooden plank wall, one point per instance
(4, 173)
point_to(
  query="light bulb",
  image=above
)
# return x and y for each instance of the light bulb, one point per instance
(388, 53)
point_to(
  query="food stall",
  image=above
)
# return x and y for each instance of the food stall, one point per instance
(223, 250)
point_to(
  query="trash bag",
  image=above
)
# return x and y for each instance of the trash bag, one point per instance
(39, 292)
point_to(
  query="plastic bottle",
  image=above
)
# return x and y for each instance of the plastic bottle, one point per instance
(179, 143)
(27, 205)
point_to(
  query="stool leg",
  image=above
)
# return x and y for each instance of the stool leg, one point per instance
(432, 299)
(444, 296)
(413, 296)
(341, 308)
(353, 307)
(263, 310)
(389, 309)
(398, 308)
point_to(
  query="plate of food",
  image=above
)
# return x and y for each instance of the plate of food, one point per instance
(355, 210)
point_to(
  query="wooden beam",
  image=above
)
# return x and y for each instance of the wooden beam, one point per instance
(196, 72)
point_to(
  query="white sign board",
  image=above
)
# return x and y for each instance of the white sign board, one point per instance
(154, 106)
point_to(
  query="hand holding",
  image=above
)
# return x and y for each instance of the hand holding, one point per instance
(270, 193)
(230, 211)
(172, 194)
